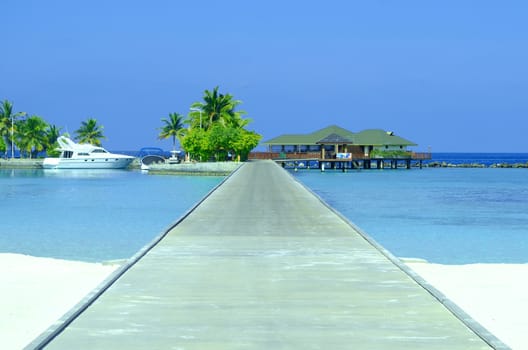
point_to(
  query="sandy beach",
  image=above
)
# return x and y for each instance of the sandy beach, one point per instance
(38, 291)
(495, 295)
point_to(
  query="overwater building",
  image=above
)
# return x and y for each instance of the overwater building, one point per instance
(336, 147)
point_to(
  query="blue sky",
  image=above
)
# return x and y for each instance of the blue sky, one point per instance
(450, 75)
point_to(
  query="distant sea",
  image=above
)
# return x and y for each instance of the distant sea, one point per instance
(443, 215)
(487, 159)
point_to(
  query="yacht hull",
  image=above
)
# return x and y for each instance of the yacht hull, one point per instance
(85, 156)
(87, 163)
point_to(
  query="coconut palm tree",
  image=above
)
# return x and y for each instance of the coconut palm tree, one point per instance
(217, 107)
(222, 126)
(3, 147)
(52, 134)
(173, 128)
(8, 125)
(32, 135)
(236, 121)
(90, 132)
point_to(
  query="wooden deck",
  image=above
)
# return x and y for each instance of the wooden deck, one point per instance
(262, 263)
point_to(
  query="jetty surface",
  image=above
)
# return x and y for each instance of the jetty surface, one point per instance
(262, 263)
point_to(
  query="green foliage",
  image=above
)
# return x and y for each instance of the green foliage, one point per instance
(377, 153)
(196, 143)
(6, 113)
(8, 122)
(172, 128)
(52, 134)
(216, 108)
(217, 130)
(245, 143)
(218, 143)
(90, 132)
(31, 136)
(220, 139)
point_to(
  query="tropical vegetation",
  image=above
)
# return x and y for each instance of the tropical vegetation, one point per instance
(173, 128)
(32, 135)
(90, 132)
(8, 125)
(214, 129)
(377, 153)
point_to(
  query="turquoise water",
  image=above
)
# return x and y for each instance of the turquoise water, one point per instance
(450, 216)
(444, 215)
(91, 215)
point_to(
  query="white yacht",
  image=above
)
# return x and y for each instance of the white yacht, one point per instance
(85, 156)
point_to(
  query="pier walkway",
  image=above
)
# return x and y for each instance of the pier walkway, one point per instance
(262, 263)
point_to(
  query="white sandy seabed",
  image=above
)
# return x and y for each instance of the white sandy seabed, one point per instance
(36, 292)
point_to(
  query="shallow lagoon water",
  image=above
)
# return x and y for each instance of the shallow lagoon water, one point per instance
(450, 216)
(91, 215)
(447, 215)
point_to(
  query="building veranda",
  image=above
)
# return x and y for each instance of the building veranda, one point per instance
(337, 148)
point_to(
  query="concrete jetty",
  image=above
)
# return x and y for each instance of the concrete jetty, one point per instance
(262, 263)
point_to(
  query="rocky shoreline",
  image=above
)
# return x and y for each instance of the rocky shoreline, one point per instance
(475, 165)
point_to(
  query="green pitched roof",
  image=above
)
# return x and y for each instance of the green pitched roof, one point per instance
(310, 139)
(379, 137)
(334, 139)
(370, 137)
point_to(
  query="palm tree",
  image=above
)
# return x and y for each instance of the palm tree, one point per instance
(173, 128)
(32, 135)
(52, 134)
(7, 124)
(236, 121)
(3, 147)
(218, 108)
(90, 132)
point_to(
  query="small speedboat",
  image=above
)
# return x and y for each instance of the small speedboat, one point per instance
(85, 156)
(151, 155)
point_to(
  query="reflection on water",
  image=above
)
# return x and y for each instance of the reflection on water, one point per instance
(20, 173)
(65, 173)
(84, 173)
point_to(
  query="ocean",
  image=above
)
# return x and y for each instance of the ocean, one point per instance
(443, 215)
(91, 215)
(486, 159)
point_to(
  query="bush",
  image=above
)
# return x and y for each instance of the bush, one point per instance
(390, 154)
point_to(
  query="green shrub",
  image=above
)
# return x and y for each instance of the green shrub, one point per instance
(377, 153)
